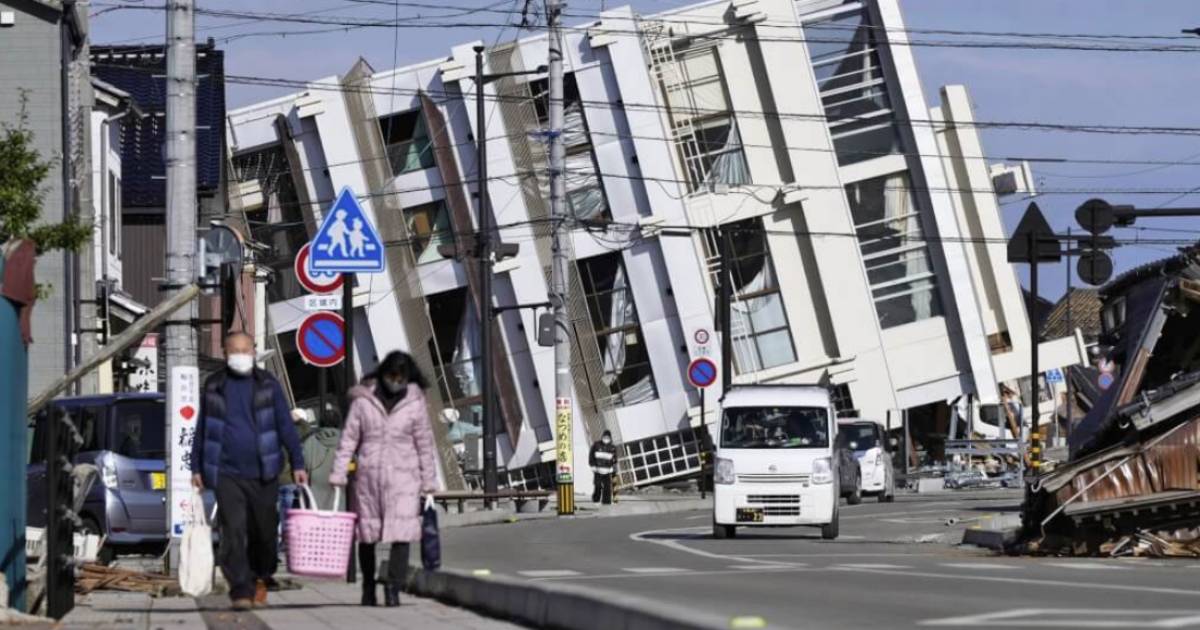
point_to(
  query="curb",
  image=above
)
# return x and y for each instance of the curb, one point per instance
(543, 605)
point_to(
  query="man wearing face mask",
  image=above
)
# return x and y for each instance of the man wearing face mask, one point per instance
(245, 426)
(603, 460)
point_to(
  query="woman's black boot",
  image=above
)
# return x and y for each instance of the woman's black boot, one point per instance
(366, 560)
(397, 570)
(391, 595)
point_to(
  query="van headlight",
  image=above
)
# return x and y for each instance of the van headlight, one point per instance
(108, 472)
(822, 470)
(724, 471)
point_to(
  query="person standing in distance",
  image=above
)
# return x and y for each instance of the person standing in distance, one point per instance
(603, 460)
(245, 426)
(388, 429)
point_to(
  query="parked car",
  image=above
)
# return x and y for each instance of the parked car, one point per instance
(775, 461)
(866, 441)
(850, 478)
(125, 437)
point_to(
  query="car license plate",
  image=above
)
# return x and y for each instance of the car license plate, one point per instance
(749, 515)
(158, 481)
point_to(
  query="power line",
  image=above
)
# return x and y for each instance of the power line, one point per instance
(601, 28)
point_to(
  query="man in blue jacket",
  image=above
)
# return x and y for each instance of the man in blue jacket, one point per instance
(245, 426)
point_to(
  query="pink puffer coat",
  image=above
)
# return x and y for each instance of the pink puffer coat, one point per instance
(395, 463)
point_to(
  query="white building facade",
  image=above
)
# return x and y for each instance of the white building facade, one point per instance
(866, 243)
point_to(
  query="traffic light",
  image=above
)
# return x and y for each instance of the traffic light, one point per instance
(1096, 217)
(102, 311)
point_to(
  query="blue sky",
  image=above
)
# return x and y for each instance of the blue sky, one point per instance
(1052, 86)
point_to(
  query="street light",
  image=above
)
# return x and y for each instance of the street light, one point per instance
(484, 249)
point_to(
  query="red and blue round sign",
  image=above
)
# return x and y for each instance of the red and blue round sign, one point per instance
(314, 281)
(321, 339)
(702, 372)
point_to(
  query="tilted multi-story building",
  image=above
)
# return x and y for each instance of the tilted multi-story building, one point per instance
(867, 245)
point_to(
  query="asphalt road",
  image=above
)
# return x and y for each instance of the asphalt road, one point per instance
(895, 565)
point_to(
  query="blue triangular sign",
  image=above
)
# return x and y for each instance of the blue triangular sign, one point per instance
(346, 242)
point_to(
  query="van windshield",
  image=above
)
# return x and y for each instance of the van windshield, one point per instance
(859, 437)
(775, 427)
(139, 429)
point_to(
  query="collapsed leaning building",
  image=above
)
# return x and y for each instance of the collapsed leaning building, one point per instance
(868, 250)
(1132, 484)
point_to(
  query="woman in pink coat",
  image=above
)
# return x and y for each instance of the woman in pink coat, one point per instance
(388, 427)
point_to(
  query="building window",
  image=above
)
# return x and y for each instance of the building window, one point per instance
(428, 226)
(894, 251)
(455, 351)
(626, 362)
(585, 193)
(278, 221)
(759, 325)
(702, 120)
(843, 402)
(853, 88)
(407, 141)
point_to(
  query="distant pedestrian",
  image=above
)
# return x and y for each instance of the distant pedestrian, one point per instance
(245, 426)
(603, 460)
(388, 428)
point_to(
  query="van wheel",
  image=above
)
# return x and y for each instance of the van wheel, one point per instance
(829, 531)
(724, 532)
(107, 554)
(855, 497)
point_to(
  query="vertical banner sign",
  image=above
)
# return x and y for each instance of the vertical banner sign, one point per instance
(185, 387)
(565, 441)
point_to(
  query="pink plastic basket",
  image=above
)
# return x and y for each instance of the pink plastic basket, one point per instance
(318, 541)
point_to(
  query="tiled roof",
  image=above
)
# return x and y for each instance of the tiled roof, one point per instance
(140, 70)
(1084, 306)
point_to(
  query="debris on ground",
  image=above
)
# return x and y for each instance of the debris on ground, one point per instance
(96, 577)
(1182, 543)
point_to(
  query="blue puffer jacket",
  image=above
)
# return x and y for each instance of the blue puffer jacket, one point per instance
(208, 442)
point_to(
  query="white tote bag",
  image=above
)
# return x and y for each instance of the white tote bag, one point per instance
(196, 551)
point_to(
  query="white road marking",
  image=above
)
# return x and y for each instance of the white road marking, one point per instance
(985, 566)
(831, 555)
(765, 567)
(655, 570)
(1131, 588)
(635, 576)
(661, 537)
(1073, 618)
(871, 566)
(1089, 566)
(549, 573)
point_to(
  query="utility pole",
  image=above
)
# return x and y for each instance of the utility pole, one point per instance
(490, 481)
(563, 401)
(182, 372)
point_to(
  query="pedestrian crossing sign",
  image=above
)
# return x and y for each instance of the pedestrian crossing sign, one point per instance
(346, 242)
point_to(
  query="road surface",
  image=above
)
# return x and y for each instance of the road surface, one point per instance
(895, 565)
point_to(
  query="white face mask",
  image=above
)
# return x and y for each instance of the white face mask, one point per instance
(606, 440)
(240, 363)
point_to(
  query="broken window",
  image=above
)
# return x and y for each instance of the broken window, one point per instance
(428, 226)
(585, 194)
(894, 251)
(706, 133)
(759, 327)
(407, 141)
(626, 362)
(455, 351)
(854, 93)
(274, 215)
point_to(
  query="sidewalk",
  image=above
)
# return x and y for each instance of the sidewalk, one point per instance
(626, 505)
(320, 604)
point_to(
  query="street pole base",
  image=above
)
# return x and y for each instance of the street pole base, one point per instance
(566, 499)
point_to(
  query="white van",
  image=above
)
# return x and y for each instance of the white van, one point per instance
(775, 460)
